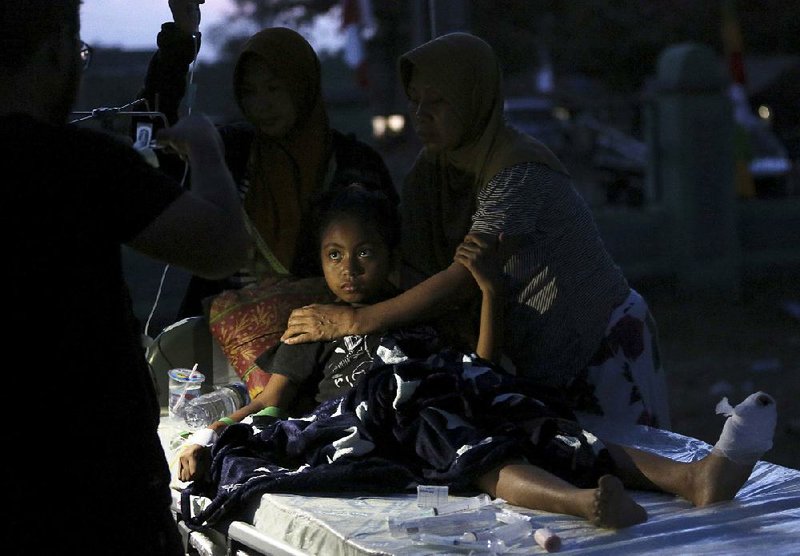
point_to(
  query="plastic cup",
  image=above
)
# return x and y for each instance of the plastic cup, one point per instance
(184, 385)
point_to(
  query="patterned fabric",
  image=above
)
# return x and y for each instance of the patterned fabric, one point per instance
(323, 370)
(248, 321)
(624, 382)
(563, 281)
(326, 370)
(445, 420)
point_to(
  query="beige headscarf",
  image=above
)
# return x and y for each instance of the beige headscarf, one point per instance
(440, 191)
(285, 174)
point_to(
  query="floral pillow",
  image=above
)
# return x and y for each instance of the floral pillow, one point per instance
(248, 321)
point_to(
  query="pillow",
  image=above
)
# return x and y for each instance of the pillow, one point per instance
(248, 321)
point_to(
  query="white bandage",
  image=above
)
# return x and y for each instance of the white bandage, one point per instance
(203, 437)
(749, 429)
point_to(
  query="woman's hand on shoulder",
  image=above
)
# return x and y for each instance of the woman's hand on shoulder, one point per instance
(315, 323)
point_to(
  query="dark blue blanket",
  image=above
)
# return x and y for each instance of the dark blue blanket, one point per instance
(443, 420)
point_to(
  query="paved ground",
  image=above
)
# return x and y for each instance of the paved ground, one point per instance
(711, 348)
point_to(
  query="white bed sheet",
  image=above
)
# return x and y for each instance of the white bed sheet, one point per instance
(764, 517)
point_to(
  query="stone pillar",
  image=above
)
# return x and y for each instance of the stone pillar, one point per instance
(690, 135)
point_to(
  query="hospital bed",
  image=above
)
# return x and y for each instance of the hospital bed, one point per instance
(764, 517)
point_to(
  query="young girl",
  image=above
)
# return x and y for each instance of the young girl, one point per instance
(398, 409)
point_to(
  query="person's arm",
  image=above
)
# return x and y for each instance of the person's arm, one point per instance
(430, 298)
(194, 459)
(480, 255)
(203, 230)
(280, 392)
(178, 44)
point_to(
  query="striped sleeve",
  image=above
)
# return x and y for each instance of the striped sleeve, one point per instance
(511, 202)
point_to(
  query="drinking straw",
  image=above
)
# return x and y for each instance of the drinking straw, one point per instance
(182, 397)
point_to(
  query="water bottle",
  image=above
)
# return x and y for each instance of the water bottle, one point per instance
(223, 400)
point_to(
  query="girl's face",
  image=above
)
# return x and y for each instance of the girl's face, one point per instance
(438, 125)
(266, 100)
(355, 260)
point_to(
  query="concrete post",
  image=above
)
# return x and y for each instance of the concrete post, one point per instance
(690, 135)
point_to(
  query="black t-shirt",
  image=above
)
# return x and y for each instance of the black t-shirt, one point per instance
(74, 364)
(326, 370)
(323, 369)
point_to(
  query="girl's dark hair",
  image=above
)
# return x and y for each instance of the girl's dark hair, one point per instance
(367, 206)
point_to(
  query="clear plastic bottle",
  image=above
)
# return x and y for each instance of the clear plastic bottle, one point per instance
(223, 400)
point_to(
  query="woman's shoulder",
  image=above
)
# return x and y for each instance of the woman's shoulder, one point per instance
(528, 177)
(533, 177)
(527, 170)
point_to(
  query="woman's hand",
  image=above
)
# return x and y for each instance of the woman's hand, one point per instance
(481, 255)
(194, 461)
(314, 323)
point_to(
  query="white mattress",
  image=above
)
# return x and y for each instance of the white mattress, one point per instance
(764, 517)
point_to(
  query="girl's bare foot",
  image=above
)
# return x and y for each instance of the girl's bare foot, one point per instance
(612, 507)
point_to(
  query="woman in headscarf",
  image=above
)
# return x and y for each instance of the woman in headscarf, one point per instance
(283, 158)
(573, 321)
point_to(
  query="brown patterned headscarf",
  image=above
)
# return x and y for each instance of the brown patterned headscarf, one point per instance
(440, 192)
(286, 172)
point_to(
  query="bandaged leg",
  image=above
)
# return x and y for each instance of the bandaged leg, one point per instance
(748, 432)
(717, 477)
(746, 436)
